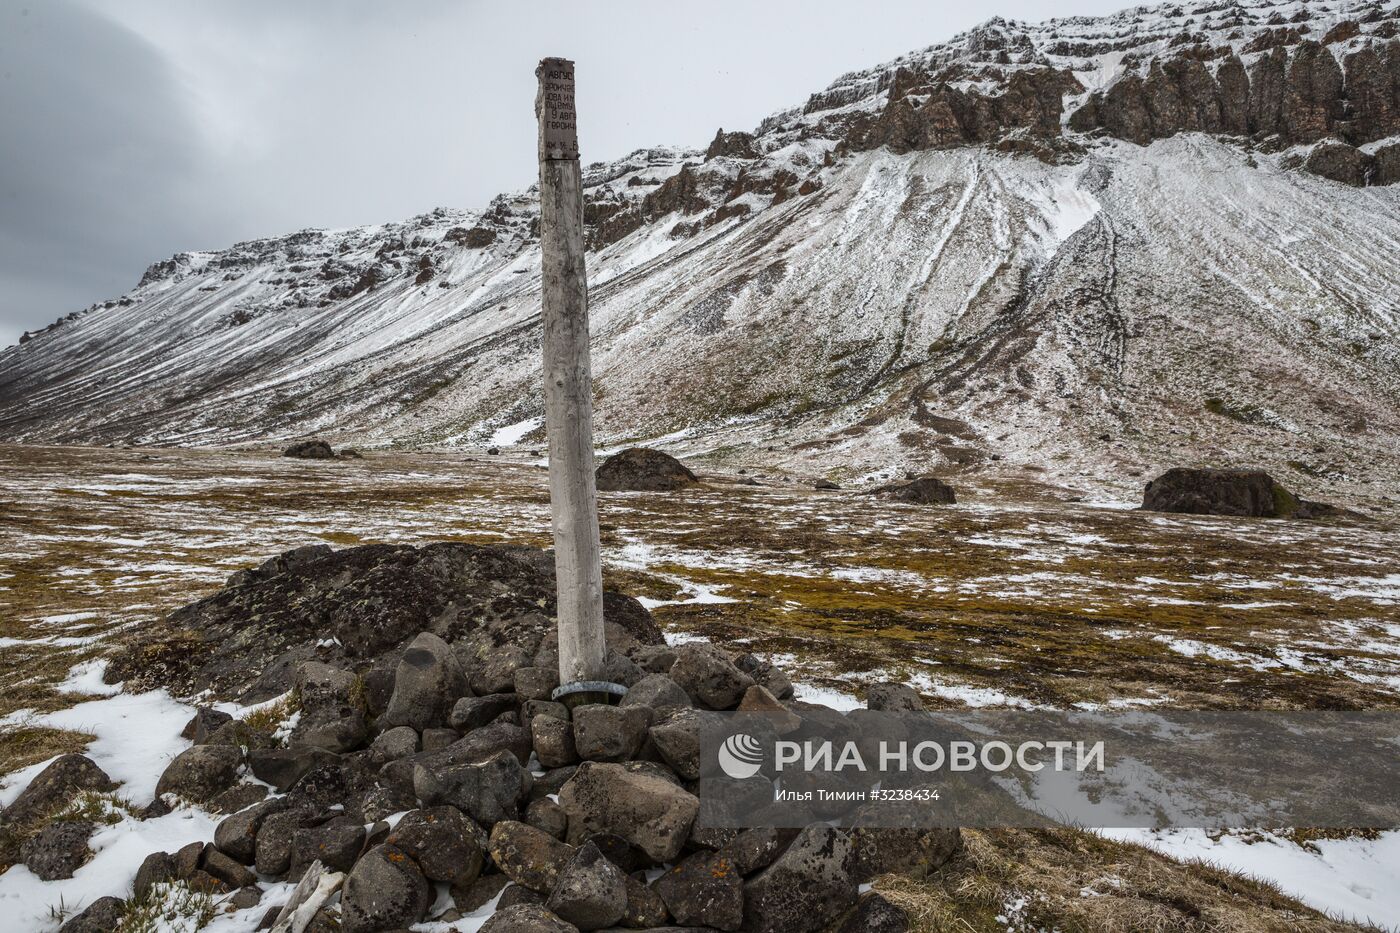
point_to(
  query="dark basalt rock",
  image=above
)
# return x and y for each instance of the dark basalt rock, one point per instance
(1385, 165)
(247, 640)
(446, 845)
(1339, 162)
(473, 238)
(335, 843)
(527, 856)
(893, 697)
(733, 145)
(203, 724)
(283, 767)
(428, 681)
(57, 785)
(237, 835)
(475, 712)
(58, 850)
(101, 916)
(200, 773)
(926, 490)
(591, 892)
(926, 111)
(548, 817)
(553, 740)
(488, 791)
(310, 450)
(638, 469)
(1248, 493)
(875, 914)
(1297, 92)
(708, 676)
(808, 886)
(384, 891)
(609, 733)
(649, 812)
(706, 889)
(156, 868)
(526, 918)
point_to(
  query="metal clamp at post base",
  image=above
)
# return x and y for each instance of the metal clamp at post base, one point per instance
(584, 692)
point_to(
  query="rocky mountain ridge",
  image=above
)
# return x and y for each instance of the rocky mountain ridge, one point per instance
(1089, 246)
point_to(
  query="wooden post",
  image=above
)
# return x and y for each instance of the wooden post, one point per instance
(568, 385)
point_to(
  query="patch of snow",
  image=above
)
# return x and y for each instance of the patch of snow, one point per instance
(1351, 879)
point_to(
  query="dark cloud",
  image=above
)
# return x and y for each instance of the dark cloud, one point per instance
(100, 162)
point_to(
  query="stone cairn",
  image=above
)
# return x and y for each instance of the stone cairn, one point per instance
(459, 777)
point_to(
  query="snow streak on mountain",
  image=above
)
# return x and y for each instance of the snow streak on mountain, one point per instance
(1079, 250)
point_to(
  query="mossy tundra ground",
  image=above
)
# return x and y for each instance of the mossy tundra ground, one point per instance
(1014, 597)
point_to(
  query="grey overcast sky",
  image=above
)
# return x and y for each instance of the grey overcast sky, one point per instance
(133, 129)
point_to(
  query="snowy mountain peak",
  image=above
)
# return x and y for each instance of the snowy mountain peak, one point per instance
(1087, 246)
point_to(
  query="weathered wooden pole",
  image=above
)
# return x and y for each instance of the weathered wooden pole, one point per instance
(568, 387)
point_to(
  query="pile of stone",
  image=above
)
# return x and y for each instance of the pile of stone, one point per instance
(457, 773)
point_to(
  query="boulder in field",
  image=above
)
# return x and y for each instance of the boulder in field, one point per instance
(310, 450)
(56, 785)
(638, 469)
(199, 773)
(1334, 159)
(101, 916)
(203, 724)
(58, 850)
(926, 490)
(1245, 493)
(156, 868)
(893, 698)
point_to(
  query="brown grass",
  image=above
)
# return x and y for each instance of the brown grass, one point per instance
(1077, 882)
(23, 746)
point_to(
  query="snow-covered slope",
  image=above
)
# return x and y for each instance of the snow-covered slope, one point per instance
(1083, 247)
